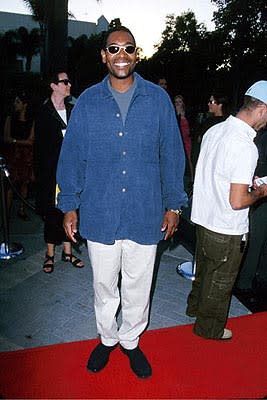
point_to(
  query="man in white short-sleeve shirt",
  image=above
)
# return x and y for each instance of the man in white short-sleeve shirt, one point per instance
(221, 201)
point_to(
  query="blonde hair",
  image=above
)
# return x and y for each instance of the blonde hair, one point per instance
(180, 97)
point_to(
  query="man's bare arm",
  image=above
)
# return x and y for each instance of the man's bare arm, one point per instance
(240, 196)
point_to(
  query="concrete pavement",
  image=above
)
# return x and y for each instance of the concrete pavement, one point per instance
(39, 309)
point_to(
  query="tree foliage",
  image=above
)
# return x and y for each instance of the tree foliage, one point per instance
(243, 26)
(29, 44)
(19, 42)
(85, 65)
(231, 57)
(52, 16)
(195, 61)
(183, 55)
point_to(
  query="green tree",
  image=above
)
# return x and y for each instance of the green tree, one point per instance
(243, 26)
(29, 44)
(19, 42)
(182, 57)
(8, 49)
(85, 64)
(52, 16)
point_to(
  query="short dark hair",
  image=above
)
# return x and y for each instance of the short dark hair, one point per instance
(116, 29)
(250, 103)
(53, 76)
(220, 98)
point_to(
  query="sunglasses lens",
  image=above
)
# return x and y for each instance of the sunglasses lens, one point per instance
(65, 81)
(113, 49)
(130, 49)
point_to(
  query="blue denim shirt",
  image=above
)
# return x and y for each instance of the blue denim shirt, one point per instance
(122, 177)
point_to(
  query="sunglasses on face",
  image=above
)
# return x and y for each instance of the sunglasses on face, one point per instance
(115, 49)
(65, 81)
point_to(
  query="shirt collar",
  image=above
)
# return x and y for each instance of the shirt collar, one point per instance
(247, 128)
(139, 82)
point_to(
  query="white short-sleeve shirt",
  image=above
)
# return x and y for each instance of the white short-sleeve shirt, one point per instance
(228, 155)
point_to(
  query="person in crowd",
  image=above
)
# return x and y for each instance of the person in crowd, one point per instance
(185, 130)
(218, 111)
(122, 164)
(252, 280)
(18, 138)
(50, 126)
(162, 82)
(221, 200)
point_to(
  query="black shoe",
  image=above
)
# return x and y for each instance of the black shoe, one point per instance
(138, 362)
(99, 357)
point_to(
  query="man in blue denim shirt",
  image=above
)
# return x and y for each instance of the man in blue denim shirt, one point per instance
(122, 166)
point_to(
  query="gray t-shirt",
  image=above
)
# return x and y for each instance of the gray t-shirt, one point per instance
(123, 99)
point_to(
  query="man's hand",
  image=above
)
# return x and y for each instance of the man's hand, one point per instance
(70, 222)
(169, 224)
(262, 189)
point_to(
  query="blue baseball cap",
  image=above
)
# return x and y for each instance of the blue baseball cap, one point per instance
(259, 91)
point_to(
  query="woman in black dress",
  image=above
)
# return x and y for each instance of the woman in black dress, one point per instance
(50, 126)
(18, 138)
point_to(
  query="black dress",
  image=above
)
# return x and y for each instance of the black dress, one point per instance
(48, 141)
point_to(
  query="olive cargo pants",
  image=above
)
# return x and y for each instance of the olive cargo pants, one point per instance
(218, 257)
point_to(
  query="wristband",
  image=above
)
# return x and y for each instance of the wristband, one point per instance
(177, 212)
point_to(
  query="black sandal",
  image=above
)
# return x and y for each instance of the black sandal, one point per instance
(72, 259)
(47, 265)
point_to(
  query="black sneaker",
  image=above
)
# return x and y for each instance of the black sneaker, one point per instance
(99, 357)
(138, 362)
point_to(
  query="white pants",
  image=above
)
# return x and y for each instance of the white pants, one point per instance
(136, 263)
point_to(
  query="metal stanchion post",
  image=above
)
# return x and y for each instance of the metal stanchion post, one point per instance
(7, 249)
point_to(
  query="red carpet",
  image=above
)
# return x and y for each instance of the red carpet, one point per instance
(184, 366)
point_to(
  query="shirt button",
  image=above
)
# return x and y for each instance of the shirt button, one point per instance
(124, 153)
(120, 134)
(123, 190)
(118, 115)
(123, 172)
